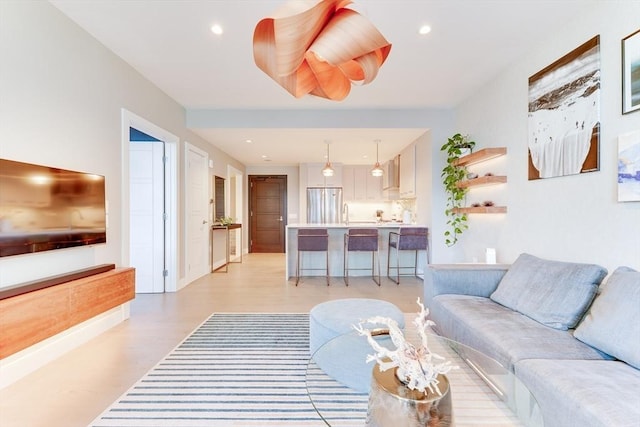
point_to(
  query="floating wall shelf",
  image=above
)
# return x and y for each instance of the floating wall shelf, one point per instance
(477, 157)
(483, 180)
(481, 209)
(481, 156)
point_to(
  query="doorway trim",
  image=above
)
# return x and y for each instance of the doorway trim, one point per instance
(171, 141)
(191, 276)
(237, 193)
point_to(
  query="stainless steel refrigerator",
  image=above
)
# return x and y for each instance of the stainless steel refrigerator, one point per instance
(324, 205)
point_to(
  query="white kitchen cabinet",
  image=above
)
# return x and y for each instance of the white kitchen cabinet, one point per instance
(374, 186)
(316, 179)
(408, 172)
(359, 185)
(348, 183)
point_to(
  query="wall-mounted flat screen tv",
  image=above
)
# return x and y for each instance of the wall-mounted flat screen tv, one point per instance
(44, 208)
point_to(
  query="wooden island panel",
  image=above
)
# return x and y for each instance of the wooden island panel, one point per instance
(32, 317)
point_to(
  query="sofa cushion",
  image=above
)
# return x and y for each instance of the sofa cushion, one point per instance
(554, 293)
(590, 393)
(503, 334)
(612, 324)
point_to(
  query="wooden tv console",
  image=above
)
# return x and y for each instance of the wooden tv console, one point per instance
(35, 311)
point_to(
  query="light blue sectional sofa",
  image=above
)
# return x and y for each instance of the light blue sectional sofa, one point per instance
(573, 343)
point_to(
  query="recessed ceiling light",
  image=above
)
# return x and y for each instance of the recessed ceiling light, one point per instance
(248, 141)
(425, 29)
(264, 156)
(216, 29)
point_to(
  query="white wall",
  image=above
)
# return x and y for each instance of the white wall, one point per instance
(293, 188)
(573, 218)
(62, 95)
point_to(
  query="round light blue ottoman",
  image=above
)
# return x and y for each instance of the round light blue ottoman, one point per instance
(344, 358)
(332, 318)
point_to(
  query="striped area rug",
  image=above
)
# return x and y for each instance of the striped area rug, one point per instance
(253, 370)
(234, 370)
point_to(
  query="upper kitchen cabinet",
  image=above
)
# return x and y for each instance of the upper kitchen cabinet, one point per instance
(391, 177)
(359, 185)
(374, 186)
(316, 179)
(408, 172)
(348, 183)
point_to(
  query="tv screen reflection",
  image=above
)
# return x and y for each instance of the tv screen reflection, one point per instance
(44, 208)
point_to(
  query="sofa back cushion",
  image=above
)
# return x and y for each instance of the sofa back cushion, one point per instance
(612, 324)
(554, 293)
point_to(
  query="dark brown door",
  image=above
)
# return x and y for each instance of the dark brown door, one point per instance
(267, 213)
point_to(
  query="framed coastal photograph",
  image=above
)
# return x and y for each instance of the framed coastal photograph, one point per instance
(564, 115)
(631, 73)
(629, 167)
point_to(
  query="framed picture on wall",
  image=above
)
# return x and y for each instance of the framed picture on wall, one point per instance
(564, 115)
(629, 167)
(631, 73)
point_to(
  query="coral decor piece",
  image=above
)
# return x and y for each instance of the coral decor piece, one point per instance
(319, 48)
(416, 366)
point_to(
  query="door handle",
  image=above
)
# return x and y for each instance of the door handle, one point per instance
(280, 219)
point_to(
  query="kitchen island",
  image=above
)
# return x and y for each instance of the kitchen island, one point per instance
(336, 251)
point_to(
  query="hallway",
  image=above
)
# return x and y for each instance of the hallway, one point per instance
(77, 387)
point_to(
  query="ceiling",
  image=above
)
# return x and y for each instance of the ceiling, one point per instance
(171, 44)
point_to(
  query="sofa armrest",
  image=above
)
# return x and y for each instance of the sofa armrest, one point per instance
(462, 279)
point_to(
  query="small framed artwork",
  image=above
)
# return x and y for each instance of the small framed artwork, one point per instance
(629, 167)
(631, 73)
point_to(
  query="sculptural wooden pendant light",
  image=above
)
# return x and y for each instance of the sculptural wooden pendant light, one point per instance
(319, 47)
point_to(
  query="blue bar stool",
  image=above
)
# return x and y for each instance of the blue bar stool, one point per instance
(361, 240)
(312, 240)
(407, 239)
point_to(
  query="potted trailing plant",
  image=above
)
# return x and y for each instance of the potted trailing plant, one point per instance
(451, 175)
(225, 220)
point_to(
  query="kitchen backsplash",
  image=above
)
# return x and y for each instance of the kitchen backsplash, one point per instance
(366, 211)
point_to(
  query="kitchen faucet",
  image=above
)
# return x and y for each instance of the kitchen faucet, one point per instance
(345, 213)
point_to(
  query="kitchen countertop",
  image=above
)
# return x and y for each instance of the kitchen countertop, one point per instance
(356, 224)
(360, 265)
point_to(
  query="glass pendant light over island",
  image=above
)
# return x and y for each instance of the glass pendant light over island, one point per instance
(377, 169)
(327, 170)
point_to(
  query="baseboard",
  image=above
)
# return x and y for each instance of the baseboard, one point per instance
(218, 264)
(19, 365)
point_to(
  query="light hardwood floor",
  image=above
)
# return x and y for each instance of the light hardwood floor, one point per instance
(77, 387)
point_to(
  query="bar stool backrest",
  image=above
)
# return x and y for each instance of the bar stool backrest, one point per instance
(412, 238)
(313, 239)
(362, 239)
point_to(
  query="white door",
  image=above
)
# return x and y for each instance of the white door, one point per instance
(147, 213)
(197, 212)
